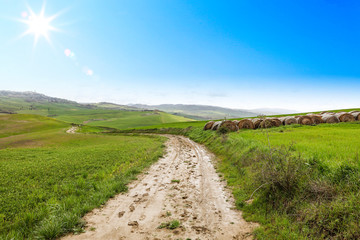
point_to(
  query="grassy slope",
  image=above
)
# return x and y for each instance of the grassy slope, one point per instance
(332, 143)
(49, 179)
(119, 119)
(93, 115)
(14, 124)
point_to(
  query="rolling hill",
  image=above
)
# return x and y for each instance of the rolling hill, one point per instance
(199, 112)
(97, 114)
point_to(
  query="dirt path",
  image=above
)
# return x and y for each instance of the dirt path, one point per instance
(181, 186)
(72, 130)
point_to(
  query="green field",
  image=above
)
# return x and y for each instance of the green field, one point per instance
(119, 119)
(49, 179)
(97, 114)
(304, 181)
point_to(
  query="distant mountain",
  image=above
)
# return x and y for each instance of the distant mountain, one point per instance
(37, 103)
(33, 97)
(13, 102)
(273, 111)
(199, 112)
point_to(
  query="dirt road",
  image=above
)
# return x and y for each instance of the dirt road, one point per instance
(181, 186)
(72, 130)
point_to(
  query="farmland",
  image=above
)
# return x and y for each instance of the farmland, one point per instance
(297, 181)
(49, 179)
(119, 119)
(97, 114)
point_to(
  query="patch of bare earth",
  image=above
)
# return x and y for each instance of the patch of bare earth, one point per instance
(72, 130)
(181, 186)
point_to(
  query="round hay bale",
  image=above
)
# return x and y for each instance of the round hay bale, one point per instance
(216, 125)
(317, 119)
(356, 115)
(267, 123)
(246, 124)
(289, 120)
(256, 122)
(229, 125)
(305, 120)
(328, 118)
(355, 111)
(282, 119)
(345, 117)
(277, 122)
(208, 125)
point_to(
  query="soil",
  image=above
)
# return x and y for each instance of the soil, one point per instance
(72, 130)
(182, 186)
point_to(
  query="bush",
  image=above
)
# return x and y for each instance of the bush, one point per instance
(281, 177)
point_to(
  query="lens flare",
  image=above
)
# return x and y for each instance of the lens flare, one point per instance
(67, 52)
(88, 71)
(24, 14)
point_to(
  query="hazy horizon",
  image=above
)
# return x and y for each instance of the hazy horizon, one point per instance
(255, 54)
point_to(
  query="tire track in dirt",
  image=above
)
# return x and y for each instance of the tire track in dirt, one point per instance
(183, 186)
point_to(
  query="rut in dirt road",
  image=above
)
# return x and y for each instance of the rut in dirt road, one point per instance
(181, 186)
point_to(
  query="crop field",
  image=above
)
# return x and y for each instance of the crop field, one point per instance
(119, 119)
(49, 179)
(99, 114)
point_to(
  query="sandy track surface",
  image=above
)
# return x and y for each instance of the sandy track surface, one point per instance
(198, 200)
(72, 130)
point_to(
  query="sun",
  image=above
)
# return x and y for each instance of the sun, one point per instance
(38, 24)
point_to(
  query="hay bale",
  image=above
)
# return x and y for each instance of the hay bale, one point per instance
(317, 119)
(208, 125)
(257, 122)
(305, 120)
(216, 125)
(289, 120)
(328, 118)
(267, 123)
(345, 117)
(355, 111)
(246, 124)
(277, 122)
(229, 125)
(356, 115)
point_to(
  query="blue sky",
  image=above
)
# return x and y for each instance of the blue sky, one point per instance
(301, 55)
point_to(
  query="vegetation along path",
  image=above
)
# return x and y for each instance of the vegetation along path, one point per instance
(181, 196)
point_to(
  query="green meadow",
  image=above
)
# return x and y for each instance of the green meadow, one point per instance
(334, 144)
(99, 114)
(303, 182)
(49, 179)
(119, 119)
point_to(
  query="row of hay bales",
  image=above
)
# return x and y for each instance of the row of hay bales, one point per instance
(309, 119)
